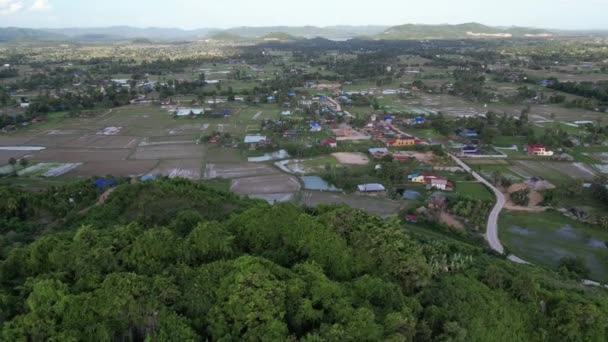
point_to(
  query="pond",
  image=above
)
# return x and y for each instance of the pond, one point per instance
(547, 237)
(317, 183)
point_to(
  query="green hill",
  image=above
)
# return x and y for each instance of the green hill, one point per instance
(225, 36)
(280, 36)
(9, 34)
(174, 260)
(468, 30)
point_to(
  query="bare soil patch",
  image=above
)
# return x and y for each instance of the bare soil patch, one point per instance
(237, 170)
(377, 206)
(269, 184)
(82, 155)
(97, 141)
(173, 151)
(351, 158)
(123, 168)
(183, 168)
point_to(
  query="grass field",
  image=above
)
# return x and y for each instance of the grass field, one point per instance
(474, 190)
(546, 238)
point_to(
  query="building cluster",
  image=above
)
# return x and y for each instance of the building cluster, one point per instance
(432, 181)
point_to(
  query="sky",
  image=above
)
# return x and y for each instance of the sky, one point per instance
(190, 14)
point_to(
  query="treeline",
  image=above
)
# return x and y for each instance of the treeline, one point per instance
(596, 90)
(172, 260)
(8, 72)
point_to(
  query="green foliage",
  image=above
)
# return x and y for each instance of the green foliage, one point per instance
(521, 197)
(574, 267)
(229, 269)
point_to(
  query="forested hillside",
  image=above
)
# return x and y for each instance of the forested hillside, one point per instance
(172, 260)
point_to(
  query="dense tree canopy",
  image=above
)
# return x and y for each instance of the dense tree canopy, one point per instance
(172, 260)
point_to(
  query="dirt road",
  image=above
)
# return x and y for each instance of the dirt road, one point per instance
(492, 227)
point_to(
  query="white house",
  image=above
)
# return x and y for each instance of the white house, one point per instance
(372, 187)
(254, 139)
(439, 184)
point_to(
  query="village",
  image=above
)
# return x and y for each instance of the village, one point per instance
(279, 125)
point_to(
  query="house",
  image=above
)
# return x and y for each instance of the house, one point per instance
(271, 99)
(416, 178)
(467, 133)
(402, 141)
(439, 184)
(398, 156)
(546, 83)
(101, 183)
(378, 152)
(411, 218)
(315, 127)
(372, 187)
(286, 112)
(329, 142)
(423, 178)
(469, 150)
(538, 150)
(254, 139)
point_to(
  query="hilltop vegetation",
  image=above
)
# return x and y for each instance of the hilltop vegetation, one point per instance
(280, 36)
(415, 31)
(8, 34)
(175, 260)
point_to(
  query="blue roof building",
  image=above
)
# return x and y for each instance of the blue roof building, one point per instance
(100, 183)
(467, 133)
(470, 150)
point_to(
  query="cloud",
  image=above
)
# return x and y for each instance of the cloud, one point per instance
(40, 6)
(10, 6)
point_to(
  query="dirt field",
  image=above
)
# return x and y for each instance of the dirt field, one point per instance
(549, 170)
(184, 168)
(125, 168)
(6, 155)
(268, 184)
(378, 206)
(98, 141)
(81, 155)
(351, 158)
(237, 170)
(173, 151)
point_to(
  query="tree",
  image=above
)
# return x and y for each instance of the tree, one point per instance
(23, 163)
(13, 163)
(574, 267)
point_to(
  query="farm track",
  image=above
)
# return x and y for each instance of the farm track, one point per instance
(492, 226)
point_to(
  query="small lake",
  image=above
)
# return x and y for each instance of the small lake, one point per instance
(317, 183)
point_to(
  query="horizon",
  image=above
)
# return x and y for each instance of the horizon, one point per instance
(192, 15)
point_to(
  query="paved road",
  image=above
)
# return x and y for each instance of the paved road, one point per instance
(492, 227)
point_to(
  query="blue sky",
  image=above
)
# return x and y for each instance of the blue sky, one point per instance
(566, 14)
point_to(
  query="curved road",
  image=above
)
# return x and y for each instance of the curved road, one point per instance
(492, 227)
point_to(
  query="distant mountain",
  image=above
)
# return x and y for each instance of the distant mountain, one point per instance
(330, 32)
(280, 33)
(280, 36)
(128, 32)
(468, 30)
(8, 34)
(225, 36)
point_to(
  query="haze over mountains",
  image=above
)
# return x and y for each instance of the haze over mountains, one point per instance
(408, 31)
